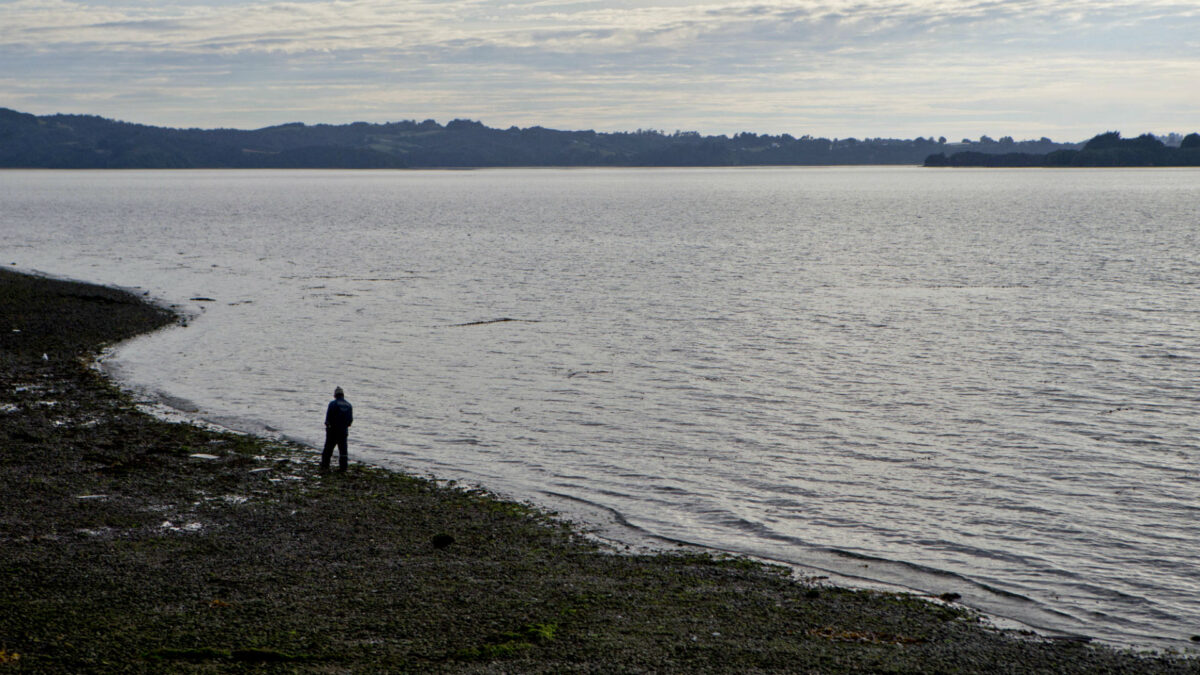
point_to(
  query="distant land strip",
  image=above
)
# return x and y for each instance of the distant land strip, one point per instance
(92, 142)
(1105, 150)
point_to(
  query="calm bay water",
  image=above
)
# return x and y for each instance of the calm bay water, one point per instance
(981, 382)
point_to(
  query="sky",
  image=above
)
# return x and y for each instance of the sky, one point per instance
(1066, 69)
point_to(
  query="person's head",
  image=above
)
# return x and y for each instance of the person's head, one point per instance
(338, 393)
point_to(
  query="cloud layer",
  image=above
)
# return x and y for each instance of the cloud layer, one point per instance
(1068, 68)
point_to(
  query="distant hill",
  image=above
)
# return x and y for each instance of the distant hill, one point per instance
(91, 142)
(1105, 150)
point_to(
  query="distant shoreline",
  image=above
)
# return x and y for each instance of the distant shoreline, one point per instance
(91, 142)
(1107, 150)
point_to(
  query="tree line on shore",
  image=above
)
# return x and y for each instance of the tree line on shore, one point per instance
(1105, 150)
(92, 142)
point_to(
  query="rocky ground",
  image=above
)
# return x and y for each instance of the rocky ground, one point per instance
(130, 544)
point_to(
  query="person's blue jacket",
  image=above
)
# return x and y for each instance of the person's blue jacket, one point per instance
(339, 414)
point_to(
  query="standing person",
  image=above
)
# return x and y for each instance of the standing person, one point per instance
(338, 418)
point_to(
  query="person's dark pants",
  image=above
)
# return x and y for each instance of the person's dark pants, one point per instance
(334, 437)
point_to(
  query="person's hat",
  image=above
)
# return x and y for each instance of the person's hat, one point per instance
(338, 392)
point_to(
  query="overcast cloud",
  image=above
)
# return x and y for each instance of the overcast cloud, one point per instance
(1066, 69)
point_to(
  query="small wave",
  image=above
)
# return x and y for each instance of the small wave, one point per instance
(459, 441)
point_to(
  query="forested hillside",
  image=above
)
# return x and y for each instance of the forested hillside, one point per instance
(87, 141)
(1107, 149)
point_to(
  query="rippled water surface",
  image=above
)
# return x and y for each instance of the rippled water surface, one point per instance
(982, 382)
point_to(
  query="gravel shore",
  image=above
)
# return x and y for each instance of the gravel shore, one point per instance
(131, 544)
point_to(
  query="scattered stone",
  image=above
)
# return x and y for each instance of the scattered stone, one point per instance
(186, 527)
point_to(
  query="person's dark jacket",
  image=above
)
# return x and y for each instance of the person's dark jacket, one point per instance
(339, 415)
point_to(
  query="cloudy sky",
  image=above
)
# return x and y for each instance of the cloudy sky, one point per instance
(1066, 69)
